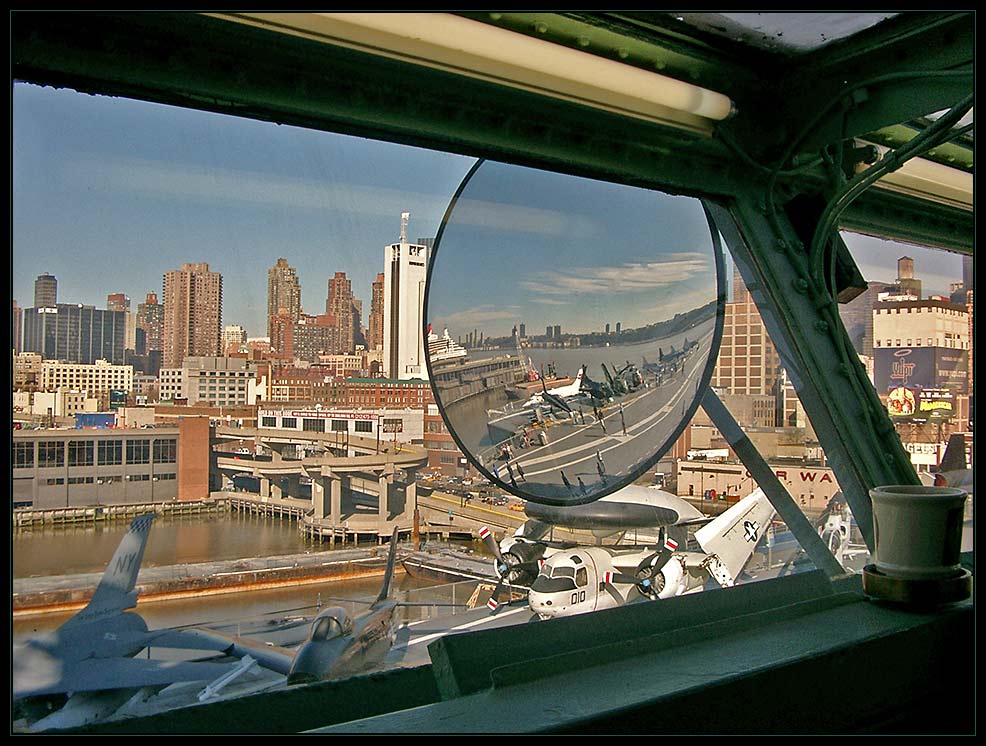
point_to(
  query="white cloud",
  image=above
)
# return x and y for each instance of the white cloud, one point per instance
(670, 270)
(192, 182)
(184, 181)
(521, 219)
(465, 321)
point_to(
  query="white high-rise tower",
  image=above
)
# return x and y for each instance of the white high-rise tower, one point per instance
(405, 272)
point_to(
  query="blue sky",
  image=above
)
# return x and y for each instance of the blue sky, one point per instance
(108, 194)
(528, 246)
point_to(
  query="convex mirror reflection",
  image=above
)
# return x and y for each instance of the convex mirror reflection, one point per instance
(572, 327)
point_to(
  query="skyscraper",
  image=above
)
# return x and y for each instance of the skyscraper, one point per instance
(281, 326)
(45, 291)
(118, 302)
(405, 271)
(18, 322)
(312, 336)
(121, 302)
(283, 292)
(150, 318)
(748, 362)
(341, 304)
(193, 298)
(967, 272)
(75, 333)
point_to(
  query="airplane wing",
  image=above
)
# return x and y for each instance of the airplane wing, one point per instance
(734, 535)
(271, 657)
(113, 673)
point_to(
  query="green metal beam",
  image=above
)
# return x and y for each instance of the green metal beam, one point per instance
(843, 407)
(890, 215)
(959, 154)
(650, 43)
(920, 46)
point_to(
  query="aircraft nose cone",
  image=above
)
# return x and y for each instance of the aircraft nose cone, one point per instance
(540, 604)
(316, 661)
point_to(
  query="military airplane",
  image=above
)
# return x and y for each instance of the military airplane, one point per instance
(672, 361)
(630, 375)
(518, 557)
(91, 655)
(337, 645)
(93, 652)
(585, 579)
(618, 385)
(556, 397)
(597, 391)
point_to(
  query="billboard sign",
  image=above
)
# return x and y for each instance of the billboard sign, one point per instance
(938, 403)
(901, 402)
(920, 367)
(118, 399)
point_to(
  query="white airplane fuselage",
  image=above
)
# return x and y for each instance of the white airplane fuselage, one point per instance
(573, 581)
(564, 392)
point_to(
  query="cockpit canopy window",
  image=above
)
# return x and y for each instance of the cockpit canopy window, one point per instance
(328, 626)
(581, 577)
(563, 572)
(553, 585)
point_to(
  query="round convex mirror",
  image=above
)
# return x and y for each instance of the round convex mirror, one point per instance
(572, 327)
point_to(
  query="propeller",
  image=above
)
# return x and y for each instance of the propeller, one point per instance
(647, 576)
(500, 566)
(495, 605)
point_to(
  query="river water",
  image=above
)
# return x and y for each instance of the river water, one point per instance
(189, 539)
(173, 541)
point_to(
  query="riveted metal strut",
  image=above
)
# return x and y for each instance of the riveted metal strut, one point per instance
(856, 433)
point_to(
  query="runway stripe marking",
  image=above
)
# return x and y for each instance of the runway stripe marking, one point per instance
(467, 625)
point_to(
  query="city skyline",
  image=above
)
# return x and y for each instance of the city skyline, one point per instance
(142, 188)
(137, 189)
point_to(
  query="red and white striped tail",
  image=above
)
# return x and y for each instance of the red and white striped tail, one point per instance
(607, 577)
(492, 605)
(484, 532)
(671, 544)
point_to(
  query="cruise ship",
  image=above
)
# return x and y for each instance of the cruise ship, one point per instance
(443, 349)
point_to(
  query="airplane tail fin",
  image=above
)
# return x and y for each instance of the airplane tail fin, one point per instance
(115, 592)
(954, 457)
(734, 535)
(388, 576)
